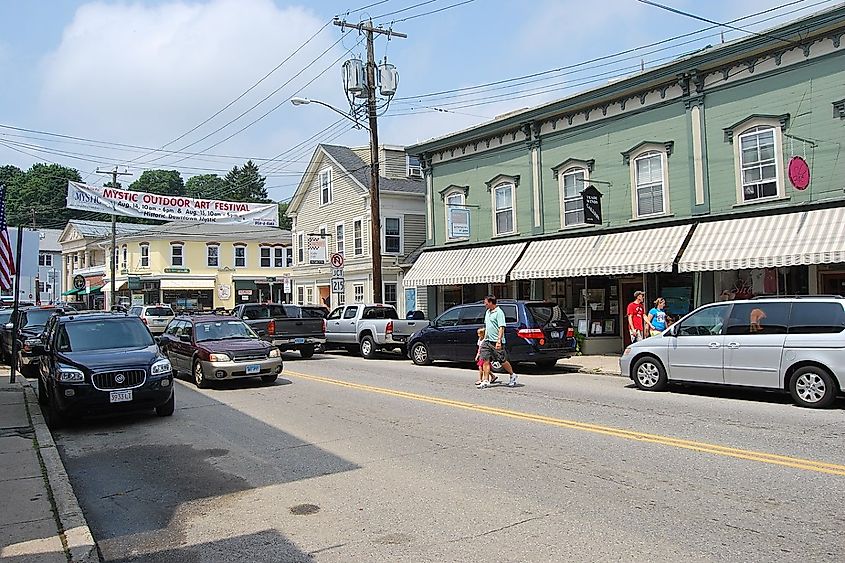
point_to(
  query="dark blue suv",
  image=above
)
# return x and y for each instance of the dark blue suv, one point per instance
(537, 331)
(99, 362)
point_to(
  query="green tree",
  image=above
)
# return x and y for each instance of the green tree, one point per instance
(285, 222)
(206, 186)
(43, 188)
(245, 184)
(162, 182)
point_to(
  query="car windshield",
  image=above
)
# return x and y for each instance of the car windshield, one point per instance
(223, 330)
(159, 312)
(38, 317)
(104, 334)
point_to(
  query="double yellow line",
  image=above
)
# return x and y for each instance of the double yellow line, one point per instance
(704, 447)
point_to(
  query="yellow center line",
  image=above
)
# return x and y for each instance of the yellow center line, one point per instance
(704, 447)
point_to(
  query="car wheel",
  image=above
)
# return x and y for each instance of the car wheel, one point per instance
(54, 418)
(167, 408)
(812, 387)
(420, 355)
(269, 379)
(307, 352)
(649, 374)
(368, 347)
(546, 364)
(199, 377)
(42, 392)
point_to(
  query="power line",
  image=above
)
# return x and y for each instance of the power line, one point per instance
(432, 11)
(380, 16)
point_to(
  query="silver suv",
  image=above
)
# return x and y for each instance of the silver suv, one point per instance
(156, 317)
(793, 344)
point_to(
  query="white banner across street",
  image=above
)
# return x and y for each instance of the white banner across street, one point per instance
(169, 208)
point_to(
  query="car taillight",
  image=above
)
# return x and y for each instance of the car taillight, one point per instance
(324, 326)
(531, 333)
(144, 320)
(570, 332)
(389, 328)
(271, 327)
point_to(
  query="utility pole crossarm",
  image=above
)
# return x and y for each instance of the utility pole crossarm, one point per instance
(368, 27)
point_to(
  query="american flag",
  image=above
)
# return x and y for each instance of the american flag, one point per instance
(7, 260)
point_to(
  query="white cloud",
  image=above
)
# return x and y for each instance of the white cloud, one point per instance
(144, 74)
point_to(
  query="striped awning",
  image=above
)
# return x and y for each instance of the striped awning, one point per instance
(632, 252)
(72, 291)
(770, 241)
(489, 264)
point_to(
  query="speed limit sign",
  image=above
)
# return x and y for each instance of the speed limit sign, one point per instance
(337, 260)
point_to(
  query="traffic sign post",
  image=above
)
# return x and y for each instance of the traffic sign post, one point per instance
(338, 281)
(337, 260)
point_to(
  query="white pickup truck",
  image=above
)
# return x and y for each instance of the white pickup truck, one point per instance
(369, 328)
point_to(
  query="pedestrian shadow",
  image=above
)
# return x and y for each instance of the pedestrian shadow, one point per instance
(132, 474)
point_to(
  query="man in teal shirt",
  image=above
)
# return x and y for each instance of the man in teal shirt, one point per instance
(493, 347)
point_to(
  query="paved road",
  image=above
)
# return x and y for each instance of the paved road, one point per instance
(354, 460)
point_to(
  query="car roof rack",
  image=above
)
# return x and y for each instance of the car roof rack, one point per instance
(831, 296)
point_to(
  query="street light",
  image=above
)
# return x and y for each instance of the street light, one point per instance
(297, 101)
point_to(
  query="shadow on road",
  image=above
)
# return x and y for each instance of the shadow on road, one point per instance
(139, 477)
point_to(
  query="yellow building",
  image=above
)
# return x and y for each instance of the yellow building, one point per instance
(189, 266)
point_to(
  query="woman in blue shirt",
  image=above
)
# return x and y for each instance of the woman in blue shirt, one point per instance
(657, 316)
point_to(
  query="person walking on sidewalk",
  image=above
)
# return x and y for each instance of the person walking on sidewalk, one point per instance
(636, 317)
(493, 347)
(657, 317)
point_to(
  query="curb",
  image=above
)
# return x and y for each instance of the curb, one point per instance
(79, 542)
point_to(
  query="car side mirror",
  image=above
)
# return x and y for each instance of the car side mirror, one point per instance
(261, 332)
(185, 337)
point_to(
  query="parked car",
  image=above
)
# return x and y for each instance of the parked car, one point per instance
(215, 347)
(5, 318)
(288, 327)
(31, 323)
(156, 317)
(99, 362)
(369, 328)
(536, 331)
(794, 345)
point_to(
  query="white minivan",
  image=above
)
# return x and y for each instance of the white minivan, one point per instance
(794, 344)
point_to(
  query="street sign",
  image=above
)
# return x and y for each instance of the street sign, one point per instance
(287, 282)
(78, 282)
(337, 260)
(591, 198)
(338, 286)
(133, 282)
(337, 273)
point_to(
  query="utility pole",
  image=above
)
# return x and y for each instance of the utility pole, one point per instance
(37, 291)
(114, 174)
(375, 204)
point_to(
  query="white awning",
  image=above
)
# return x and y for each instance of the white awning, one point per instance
(190, 283)
(770, 241)
(633, 252)
(489, 264)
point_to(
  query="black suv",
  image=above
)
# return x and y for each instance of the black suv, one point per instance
(99, 362)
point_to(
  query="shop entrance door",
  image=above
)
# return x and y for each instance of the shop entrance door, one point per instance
(325, 295)
(833, 284)
(626, 295)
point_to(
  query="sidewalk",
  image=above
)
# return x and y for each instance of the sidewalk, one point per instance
(602, 365)
(40, 520)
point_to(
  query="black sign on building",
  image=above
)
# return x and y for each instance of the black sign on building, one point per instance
(592, 205)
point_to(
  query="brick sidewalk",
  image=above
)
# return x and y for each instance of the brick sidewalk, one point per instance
(41, 520)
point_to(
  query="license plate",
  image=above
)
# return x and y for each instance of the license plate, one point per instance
(555, 334)
(162, 322)
(120, 396)
(251, 370)
(299, 341)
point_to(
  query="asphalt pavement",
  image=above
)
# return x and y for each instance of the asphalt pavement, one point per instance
(345, 459)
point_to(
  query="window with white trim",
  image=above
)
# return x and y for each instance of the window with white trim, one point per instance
(758, 162)
(453, 200)
(266, 257)
(46, 259)
(339, 238)
(358, 237)
(300, 295)
(279, 255)
(240, 256)
(392, 235)
(572, 183)
(177, 255)
(309, 295)
(341, 299)
(414, 167)
(124, 256)
(212, 255)
(326, 186)
(288, 256)
(504, 211)
(650, 189)
(358, 292)
(391, 295)
(300, 248)
(145, 256)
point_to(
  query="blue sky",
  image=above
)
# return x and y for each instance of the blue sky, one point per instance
(143, 73)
